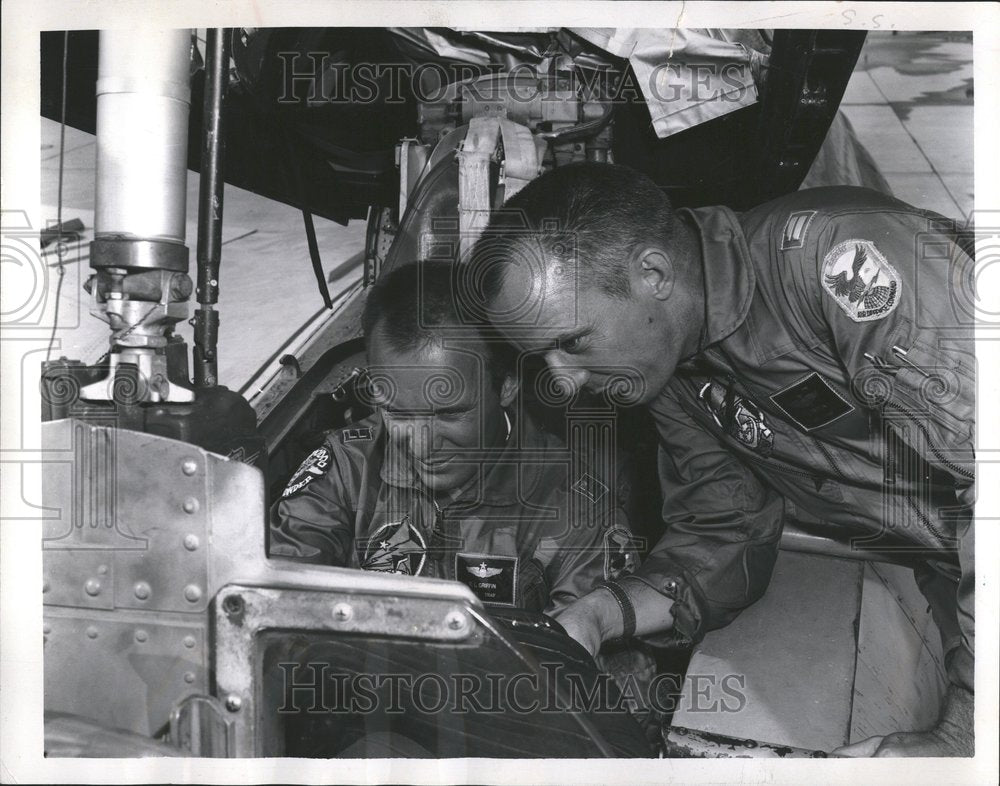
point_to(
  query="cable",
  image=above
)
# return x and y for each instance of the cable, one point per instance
(60, 246)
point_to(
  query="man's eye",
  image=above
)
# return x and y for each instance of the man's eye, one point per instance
(571, 345)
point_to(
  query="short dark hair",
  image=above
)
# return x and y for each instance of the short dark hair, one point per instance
(589, 213)
(420, 303)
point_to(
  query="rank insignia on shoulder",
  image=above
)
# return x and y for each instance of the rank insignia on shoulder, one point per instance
(794, 233)
(315, 465)
(861, 280)
(363, 434)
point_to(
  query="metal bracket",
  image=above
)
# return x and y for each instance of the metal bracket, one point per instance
(241, 613)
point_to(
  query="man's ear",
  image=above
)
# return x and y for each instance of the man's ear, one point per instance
(655, 272)
(508, 390)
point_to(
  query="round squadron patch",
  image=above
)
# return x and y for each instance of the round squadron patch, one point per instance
(315, 465)
(861, 280)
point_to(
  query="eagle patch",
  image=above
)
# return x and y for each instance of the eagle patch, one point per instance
(861, 280)
(315, 465)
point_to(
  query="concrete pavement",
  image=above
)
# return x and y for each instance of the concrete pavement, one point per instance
(910, 102)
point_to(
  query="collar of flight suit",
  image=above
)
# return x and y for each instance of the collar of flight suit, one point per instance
(515, 474)
(730, 279)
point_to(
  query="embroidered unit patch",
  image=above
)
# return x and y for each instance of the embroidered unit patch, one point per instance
(861, 280)
(315, 465)
(395, 547)
(621, 554)
(738, 417)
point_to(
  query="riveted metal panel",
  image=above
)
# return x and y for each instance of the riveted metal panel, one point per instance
(242, 613)
(168, 504)
(81, 489)
(123, 670)
(75, 577)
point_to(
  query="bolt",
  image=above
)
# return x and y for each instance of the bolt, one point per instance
(191, 542)
(92, 587)
(192, 592)
(91, 632)
(46, 629)
(102, 569)
(189, 466)
(141, 590)
(232, 604)
(189, 676)
(455, 620)
(45, 586)
(342, 612)
(141, 635)
(190, 505)
(233, 702)
(189, 641)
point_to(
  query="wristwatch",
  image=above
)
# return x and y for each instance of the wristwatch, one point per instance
(625, 604)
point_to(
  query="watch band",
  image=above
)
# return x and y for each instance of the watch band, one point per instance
(625, 604)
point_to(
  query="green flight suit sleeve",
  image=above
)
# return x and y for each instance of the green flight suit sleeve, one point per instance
(723, 527)
(313, 520)
(895, 298)
(596, 544)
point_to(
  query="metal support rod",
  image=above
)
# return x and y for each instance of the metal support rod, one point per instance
(210, 204)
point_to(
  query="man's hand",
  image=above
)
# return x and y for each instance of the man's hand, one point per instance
(592, 620)
(953, 736)
(597, 617)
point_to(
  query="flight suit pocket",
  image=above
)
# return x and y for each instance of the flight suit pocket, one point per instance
(937, 384)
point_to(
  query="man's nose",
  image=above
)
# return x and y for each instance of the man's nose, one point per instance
(411, 434)
(568, 375)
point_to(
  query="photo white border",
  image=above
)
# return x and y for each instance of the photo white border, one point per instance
(20, 553)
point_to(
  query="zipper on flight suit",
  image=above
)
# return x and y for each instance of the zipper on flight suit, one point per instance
(438, 549)
(882, 365)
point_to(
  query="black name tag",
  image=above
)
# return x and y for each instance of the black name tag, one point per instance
(812, 402)
(493, 579)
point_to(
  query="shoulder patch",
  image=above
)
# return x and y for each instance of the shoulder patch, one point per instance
(363, 434)
(794, 233)
(621, 553)
(861, 280)
(315, 465)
